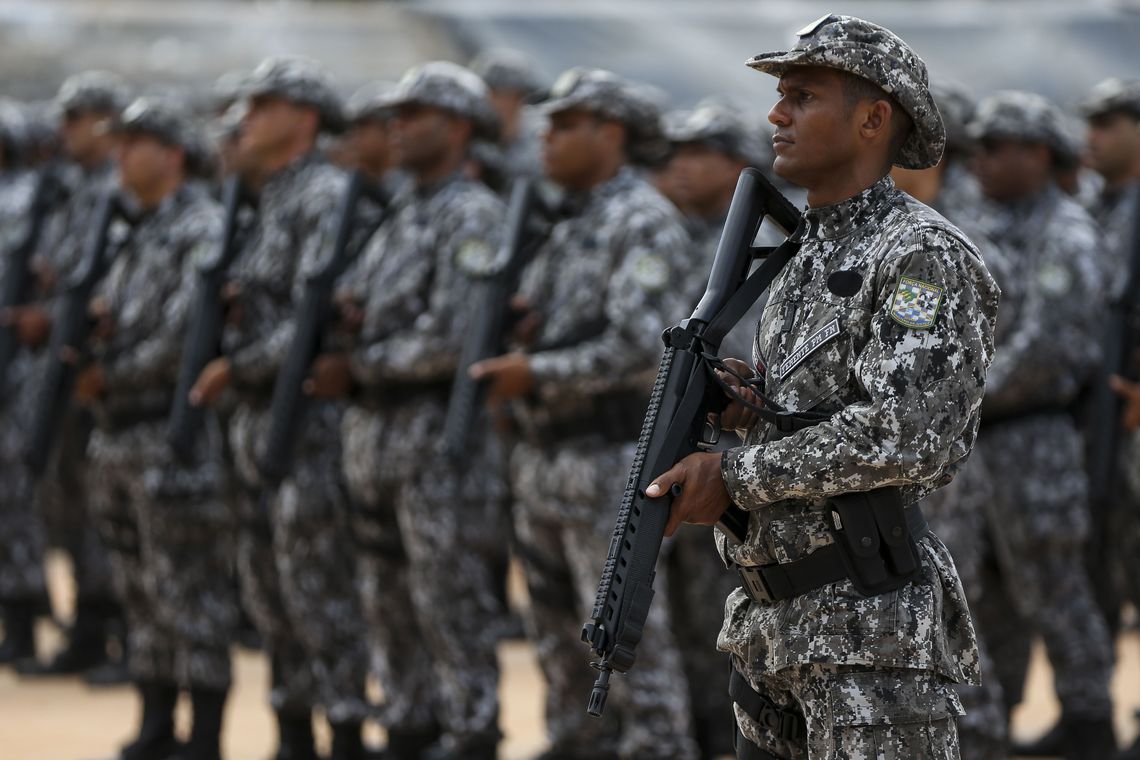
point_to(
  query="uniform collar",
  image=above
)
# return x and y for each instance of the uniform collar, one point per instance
(600, 194)
(285, 175)
(843, 218)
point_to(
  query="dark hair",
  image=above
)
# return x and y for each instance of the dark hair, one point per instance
(856, 89)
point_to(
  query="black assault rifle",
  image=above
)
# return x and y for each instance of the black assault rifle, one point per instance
(287, 409)
(16, 288)
(207, 318)
(486, 336)
(69, 334)
(684, 394)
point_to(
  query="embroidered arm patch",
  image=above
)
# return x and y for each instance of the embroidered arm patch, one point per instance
(916, 303)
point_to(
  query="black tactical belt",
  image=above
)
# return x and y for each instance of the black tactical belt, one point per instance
(616, 417)
(787, 723)
(765, 584)
(389, 396)
(993, 421)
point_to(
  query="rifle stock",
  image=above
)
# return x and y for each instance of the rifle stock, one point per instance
(69, 333)
(202, 342)
(682, 397)
(287, 408)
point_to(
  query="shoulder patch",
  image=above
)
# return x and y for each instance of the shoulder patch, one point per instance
(651, 273)
(476, 256)
(916, 303)
(1055, 280)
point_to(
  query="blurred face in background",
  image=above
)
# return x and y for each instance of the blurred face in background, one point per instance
(1009, 170)
(422, 137)
(1114, 146)
(368, 144)
(85, 137)
(508, 104)
(705, 177)
(147, 166)
(274, 127)
(574, 145)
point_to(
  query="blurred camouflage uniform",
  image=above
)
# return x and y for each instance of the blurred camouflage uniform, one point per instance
(870, 674)
(510, 70)
(425, 527)
(1053, 304)
(601, 282)
(297, 582)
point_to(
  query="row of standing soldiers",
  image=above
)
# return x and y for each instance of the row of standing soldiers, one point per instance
(377, 551)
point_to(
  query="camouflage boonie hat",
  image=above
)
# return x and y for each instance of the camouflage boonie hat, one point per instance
(635, 105)
(504, 69)
(372, 101)
(451, 87)
(1023, 117)
(957, 108)
(878, 55)
(169, 125)
(99, 91)
(720, 127)
(301, 81)
(1113, 95)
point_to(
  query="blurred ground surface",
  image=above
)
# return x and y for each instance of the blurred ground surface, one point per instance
(65, 720)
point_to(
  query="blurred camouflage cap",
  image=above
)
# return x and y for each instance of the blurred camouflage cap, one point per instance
(99, 91)
(451, 87)
(878, 55)
(170, 125)
(372, 101)
(1021, 116)
(505, 69)
(957, 107)
(637, 106)
(1113, 95)
(719, 126)
(299, 80)
(14, 130)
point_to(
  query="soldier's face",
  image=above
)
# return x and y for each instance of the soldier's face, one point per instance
(1114, 144)
(369, 142)
(571, 145)
(704, 176)
(272, 124)
(82, 134)
(1009, 169)
(144, 163)
(816, 135)
(421, 136)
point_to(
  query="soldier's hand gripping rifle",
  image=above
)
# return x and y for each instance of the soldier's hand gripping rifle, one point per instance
(207, 317)
(16, 288)
(684, 394)
(69, 334)
(527, 226)
(313, 315)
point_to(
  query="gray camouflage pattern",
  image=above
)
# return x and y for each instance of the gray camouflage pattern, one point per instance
(299, 80)
(1053, 299)
(1111, 95)
(918, 387)
(99, 91)
(717, 124)
(297, 581)
(440, 524)
(446, 85)
(878, 55)
(604, 282)
(506, 69)
(1022, 116)
(161, 519)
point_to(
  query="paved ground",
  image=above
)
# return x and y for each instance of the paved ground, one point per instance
(64, 720)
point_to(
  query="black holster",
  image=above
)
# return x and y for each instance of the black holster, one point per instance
(876, 541)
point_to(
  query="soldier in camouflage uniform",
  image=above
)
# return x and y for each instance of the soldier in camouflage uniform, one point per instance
(1053, 302)
(883, 320)
(161, 519)
(422, 523)
(600, 289)
(510, 76)
(88, 101)
(711, 145)
(297, 582)
(957, 512)
(23, 592)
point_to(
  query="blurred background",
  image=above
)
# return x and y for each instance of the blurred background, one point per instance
(688, 48)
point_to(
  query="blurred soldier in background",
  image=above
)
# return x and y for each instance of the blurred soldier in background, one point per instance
(599, 292)
(428, 578)
(1053, 300)
(297, 581)
(88, 102)
(368, 139)
(510, 75)
(164, 525)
